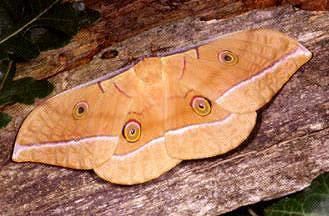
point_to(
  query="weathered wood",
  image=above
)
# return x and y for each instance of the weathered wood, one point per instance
(288, 148)
(310, 4)
(124, 19)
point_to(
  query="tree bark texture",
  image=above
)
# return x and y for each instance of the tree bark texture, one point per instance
(288, 148)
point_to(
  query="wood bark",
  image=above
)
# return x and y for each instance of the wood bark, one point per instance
(124, 19)
(288, 148)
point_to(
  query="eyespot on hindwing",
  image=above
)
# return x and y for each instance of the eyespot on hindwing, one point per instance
(132, 131)
(201, 105)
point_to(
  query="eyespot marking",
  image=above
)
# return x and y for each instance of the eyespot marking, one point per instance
(201, 105)
(80, 110)
(132, 131)
(227, 57)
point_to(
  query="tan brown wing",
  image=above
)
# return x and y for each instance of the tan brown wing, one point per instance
(193, 133)
(136, 126)
(138, 159)
(78, 129)
(242, 71)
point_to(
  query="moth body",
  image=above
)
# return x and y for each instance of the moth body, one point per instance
(143, 122)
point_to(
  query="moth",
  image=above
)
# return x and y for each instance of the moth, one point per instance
(198, 103)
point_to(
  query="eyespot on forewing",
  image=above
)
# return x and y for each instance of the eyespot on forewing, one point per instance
(80, 110)
(227, 57)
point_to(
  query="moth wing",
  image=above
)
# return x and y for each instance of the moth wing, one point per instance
(242, 71)
(140, 167)
(191, 136)
(52, 134)
(236, 74)
(210, 139)
(145, 159)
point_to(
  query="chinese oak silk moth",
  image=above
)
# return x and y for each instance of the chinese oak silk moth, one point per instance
(195, 104)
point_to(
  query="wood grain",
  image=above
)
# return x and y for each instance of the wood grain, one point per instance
(288, 148)
(125, 19)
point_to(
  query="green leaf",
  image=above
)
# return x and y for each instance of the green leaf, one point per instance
(48, 38)
(25, 91)
(4, 119)
(26, 28)
(19, 48)
(313, 201)
(30, 26)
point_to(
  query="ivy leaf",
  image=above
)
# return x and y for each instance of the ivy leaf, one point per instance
(314, 200)
(30, 26)
(26, 28)
(4, 119)
(23, 90)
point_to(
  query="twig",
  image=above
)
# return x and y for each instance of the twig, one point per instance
(251, 212)
(6, 75)
(30, 22)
